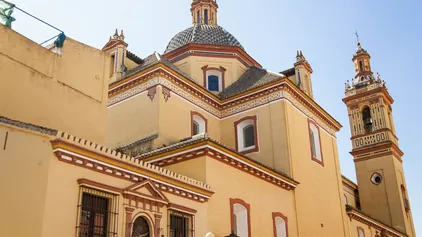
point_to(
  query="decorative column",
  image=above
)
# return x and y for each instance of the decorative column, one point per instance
(129, 212)
(157, 224)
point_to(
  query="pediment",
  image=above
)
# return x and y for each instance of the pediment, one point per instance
(147, 190)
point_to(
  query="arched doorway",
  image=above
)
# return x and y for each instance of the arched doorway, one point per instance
(141, 228)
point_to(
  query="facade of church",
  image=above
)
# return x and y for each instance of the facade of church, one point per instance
(197, 141)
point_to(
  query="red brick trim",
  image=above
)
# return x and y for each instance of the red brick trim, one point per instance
(248, 208)
(205, 69)
(236, 52)
(279, 214)
(192, 113)
(360, 228)
(254, 118)
(321, 162)
(181, 208)
(99, 185)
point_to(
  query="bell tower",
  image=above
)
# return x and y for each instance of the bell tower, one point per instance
(204, 12)
(376, 153)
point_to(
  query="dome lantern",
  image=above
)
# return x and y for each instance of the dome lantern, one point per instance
(204, 12)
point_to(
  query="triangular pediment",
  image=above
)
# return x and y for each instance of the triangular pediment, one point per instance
(145, 189)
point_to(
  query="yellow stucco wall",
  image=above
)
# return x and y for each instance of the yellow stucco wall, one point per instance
(67, 92)
(228, 182)
(24, 165)
(175, 119)
(386, 193)
(325, 214)
(192, 66)
(271, 130)
(132, 120)
(43, 191)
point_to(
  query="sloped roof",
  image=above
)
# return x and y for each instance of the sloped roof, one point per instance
(197, 139)
(150, 61)
(253, 77)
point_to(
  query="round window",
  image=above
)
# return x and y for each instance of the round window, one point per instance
(376, 178)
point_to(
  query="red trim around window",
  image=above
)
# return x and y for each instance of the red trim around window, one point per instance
(192, 113)
(278, 214)
(321, 162)
(220, 69)
(248, 208)
(254, 118)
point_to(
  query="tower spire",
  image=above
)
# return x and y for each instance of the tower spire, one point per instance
(204, 12)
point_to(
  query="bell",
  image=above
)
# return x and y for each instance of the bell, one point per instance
(368, 122)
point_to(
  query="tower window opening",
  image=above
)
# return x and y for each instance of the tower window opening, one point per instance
(198, 17)
(376, 178)
(206, 16)
(112, 63)
(360, 66)
(405, 200)
(367, 120)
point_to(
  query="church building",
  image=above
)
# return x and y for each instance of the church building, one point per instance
(196, 141)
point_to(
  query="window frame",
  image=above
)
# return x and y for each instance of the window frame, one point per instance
(191, 217)
(238, 128)
(318, 136)
(192, 119)
(111, 219)
(286, 221)
(221, 77)
(238, 201)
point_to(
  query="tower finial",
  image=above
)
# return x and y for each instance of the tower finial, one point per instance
(357, 37)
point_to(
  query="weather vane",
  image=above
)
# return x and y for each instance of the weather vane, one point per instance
(357, 36)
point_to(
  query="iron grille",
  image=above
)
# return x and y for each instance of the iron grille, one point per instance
(180, 225)
(97, 214)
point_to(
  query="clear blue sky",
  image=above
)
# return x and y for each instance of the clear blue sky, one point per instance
(271, 31)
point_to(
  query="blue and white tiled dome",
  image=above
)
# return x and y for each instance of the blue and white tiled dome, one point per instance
(203, 34)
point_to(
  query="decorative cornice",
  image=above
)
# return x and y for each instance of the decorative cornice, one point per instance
(92, 156)
(281, 89)
(369, 94)
(204, 50)
(220, 153)
(359, 216)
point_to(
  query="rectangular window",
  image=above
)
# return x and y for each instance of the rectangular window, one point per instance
(180, 224)
(97, 214)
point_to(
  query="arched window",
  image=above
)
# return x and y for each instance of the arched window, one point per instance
(315, 143)
(280, 225)
(213, 83)
(360, 66)
(199, 123)
(246, 135)
(198, 17)
(140, 227)
(405, 200)
(361, 232)
(367, 120)
(240, 217)
(214, 78)
(206, 16)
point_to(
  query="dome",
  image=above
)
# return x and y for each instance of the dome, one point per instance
(203, 34)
